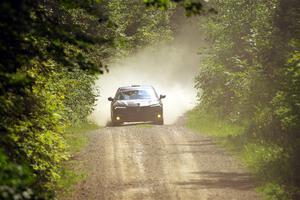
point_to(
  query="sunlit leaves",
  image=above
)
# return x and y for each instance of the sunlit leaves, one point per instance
(192, 7)
(164, 4)
(15, 179)
(137, 25)
(42, 44)
(253, 69)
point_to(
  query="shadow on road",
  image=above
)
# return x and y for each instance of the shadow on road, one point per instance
(195, 143)
(202, 152)
(219, 180)
(109, 124)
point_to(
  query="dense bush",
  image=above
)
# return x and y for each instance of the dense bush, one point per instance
(252, 74)
(138, 25)
(50, 53)
(36, 47)
(16, 181)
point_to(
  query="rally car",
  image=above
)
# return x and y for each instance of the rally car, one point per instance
(136, 103)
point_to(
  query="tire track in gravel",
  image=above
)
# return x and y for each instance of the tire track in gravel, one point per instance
(159, 162)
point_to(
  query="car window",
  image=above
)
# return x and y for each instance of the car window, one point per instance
(136, 94)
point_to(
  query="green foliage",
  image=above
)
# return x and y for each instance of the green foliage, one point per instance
(76, 137)
(57, 99)
(72, 173)
(274, 191)
(137, 25)
(75, 89)
(69, 178)
(34, 47)
(16, 181)
(269, 162)
(252, 74)
(51, 52)
(191, 7)
(209, 123)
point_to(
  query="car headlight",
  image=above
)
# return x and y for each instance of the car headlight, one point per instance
(119, 107)
(155, 105)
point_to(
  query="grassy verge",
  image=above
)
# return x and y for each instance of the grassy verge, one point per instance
(76, 138)
(267, 161)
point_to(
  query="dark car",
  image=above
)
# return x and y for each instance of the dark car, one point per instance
(136, 103)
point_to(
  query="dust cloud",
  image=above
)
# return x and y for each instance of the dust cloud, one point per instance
(169, 67)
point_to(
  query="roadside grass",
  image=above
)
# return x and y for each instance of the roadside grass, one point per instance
(212, 126)
(76, 138)
(266, 161)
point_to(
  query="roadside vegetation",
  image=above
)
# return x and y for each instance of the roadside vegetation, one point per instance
(51, 54)
(72, 172)
(249, 93)
(265, 160)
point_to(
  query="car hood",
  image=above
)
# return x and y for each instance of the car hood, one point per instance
(136, 102)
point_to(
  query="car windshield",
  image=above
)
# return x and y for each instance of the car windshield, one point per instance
(136, 94)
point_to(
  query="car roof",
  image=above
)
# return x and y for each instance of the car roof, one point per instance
(134, 87)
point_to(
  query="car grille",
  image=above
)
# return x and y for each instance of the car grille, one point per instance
(138, 113)
(138, 109)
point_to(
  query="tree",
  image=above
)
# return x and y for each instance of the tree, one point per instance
(252, 74)
(50, 53)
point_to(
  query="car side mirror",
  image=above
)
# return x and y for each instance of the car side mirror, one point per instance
(110, 99)
(162, 96)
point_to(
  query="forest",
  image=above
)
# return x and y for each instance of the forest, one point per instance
(52, 52)
(250, 81)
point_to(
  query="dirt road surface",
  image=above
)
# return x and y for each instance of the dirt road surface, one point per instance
(159, 162)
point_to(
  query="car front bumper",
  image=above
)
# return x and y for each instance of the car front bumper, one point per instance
(137, 114)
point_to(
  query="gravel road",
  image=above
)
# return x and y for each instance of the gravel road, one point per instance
(159, 162)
